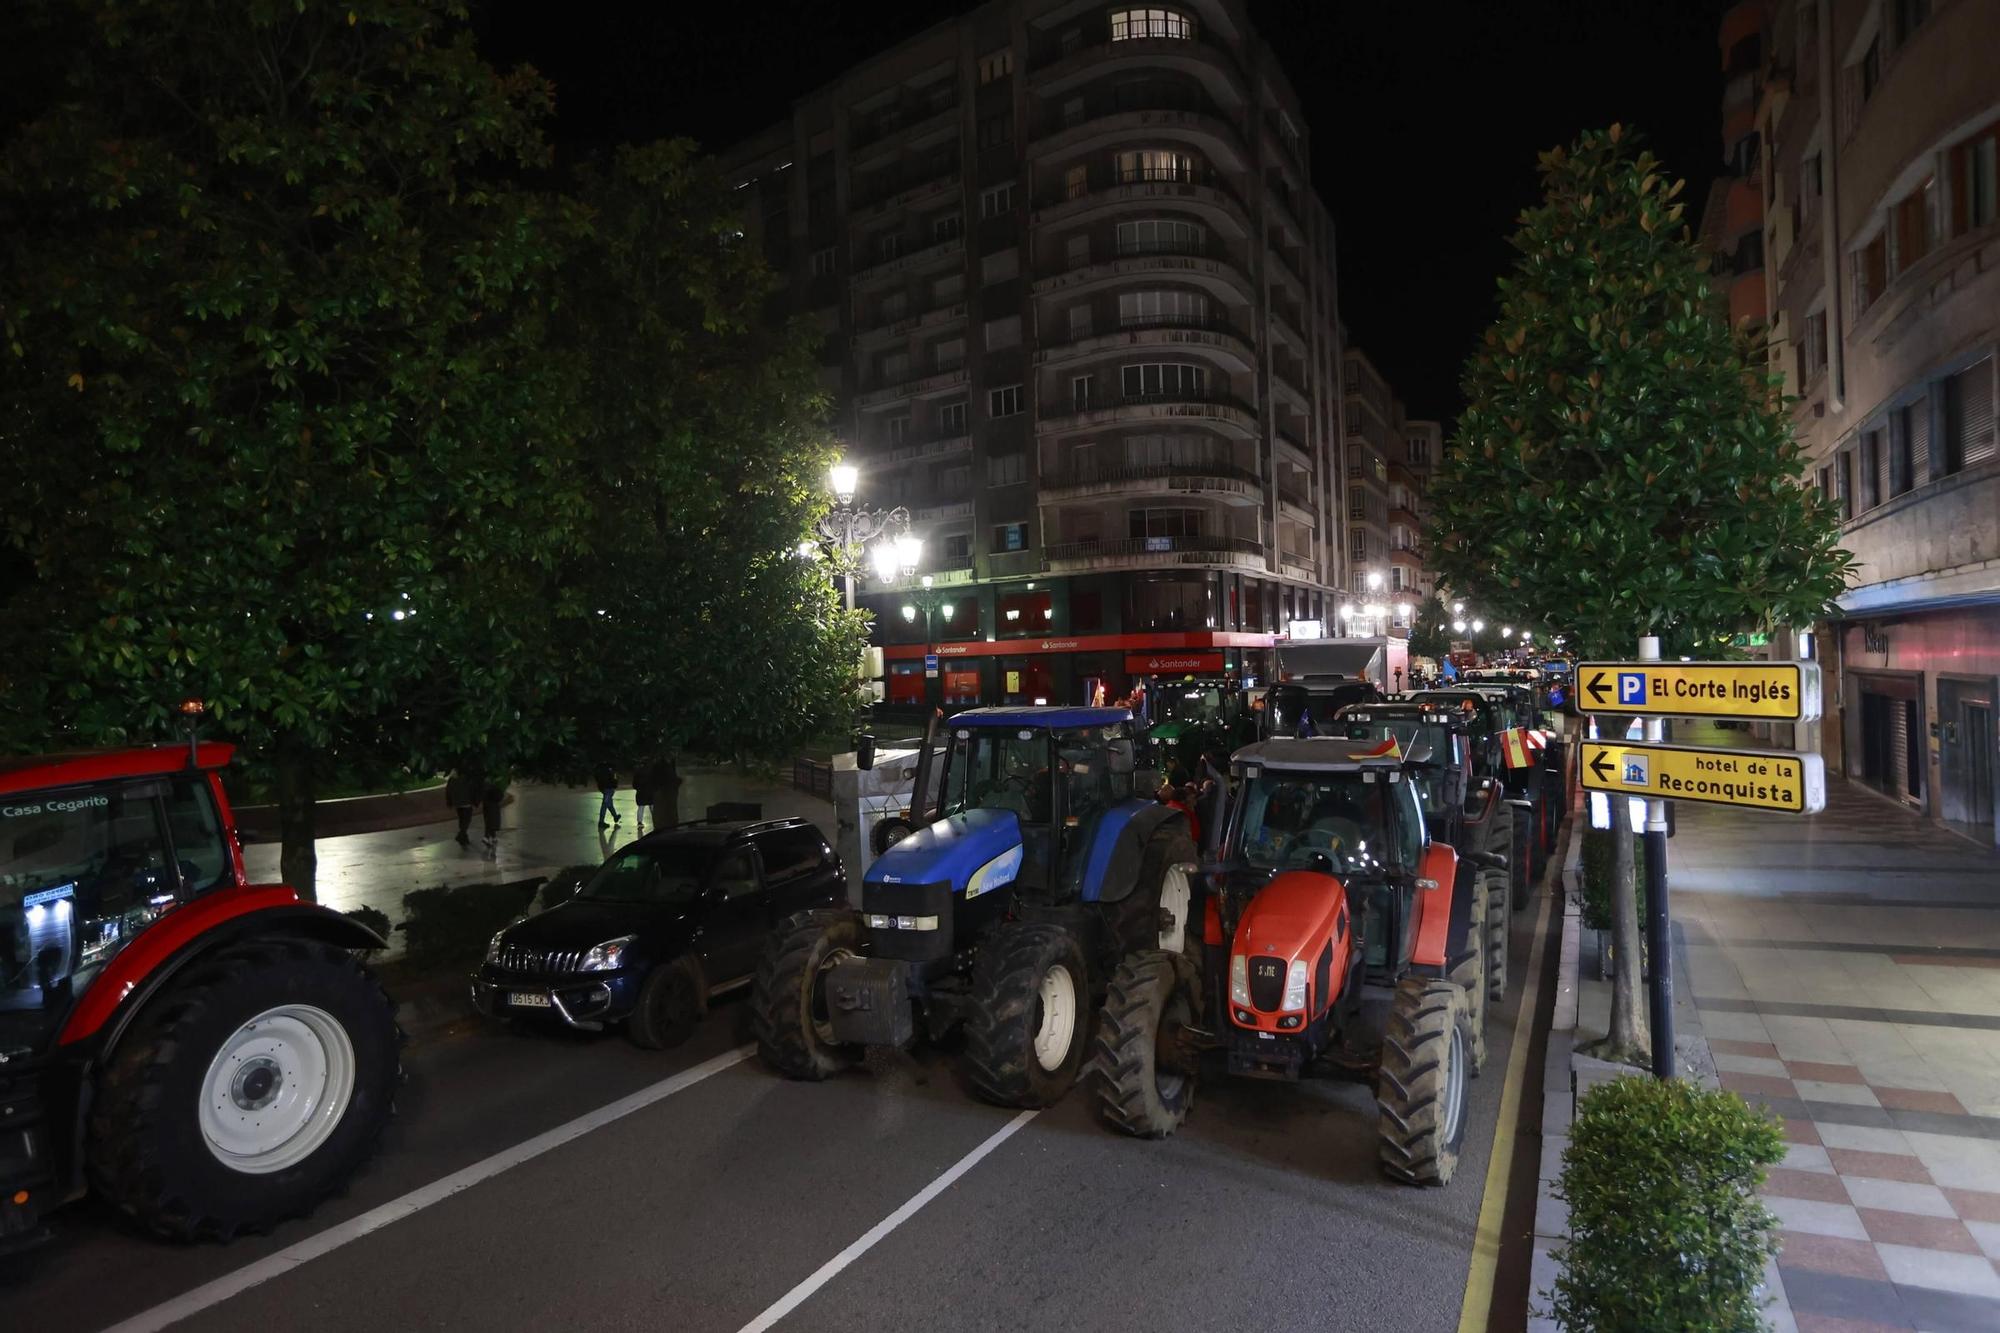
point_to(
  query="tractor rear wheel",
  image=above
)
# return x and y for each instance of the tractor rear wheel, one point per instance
(1521, 857)
(788, 1010)
(1493, 883)
(1133, 922)
(1151, 991)
(246, 1093)
(1470, 977)
(1024, 1039)
(1421, 1089)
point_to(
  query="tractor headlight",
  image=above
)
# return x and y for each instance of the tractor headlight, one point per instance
(1295, 986)
(880, 922)
(607, 956)
(1239, 981)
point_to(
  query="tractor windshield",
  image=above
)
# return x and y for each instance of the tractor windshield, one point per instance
(1405, 732)
(998, 768)
(85, 868)
(1298, 821)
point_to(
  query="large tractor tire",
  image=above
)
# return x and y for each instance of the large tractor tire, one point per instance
(1421, 1090)
(1136, 1096)
(1521, 857)
(788, 1012)
(1133, 922)
(1493, 883)
(1470, 977)
(890, 832)
(248, 1092)
(1025, 1037)
(671, 1002)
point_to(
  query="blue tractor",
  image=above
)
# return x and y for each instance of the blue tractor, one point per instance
(999, 919)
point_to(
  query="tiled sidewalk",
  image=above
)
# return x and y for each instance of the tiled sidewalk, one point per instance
(1846, 969)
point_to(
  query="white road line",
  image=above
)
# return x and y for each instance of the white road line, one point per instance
(827, 1271)
(210, 1294)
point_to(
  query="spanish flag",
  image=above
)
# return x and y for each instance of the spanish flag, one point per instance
(1515, 749)
(1388, 749)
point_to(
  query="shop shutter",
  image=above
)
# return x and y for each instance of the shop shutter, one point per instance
(1917, 420)
(1973, 423)
(1899, 748)
(1885, 465)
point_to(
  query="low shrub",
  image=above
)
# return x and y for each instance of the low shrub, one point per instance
(453, 924)
(1595, 868)
(1666, 1229)
(374, 918)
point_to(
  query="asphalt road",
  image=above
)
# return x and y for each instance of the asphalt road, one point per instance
(705, 1209)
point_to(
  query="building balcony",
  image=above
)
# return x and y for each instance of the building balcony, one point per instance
(1206, 194)
(947, 512)
(1283, 327)
(1225, 344)
(1297, 449)
(927, 386)
(1287, 392)
(1218, 410)
(1104, 123)
(1215, 65)
(1406, 556)
(1152, 553)
(908, 127)
(1403, 516)
(1930, 546)
(1282, 272)
(1218, 276)
(937, 317)
(1296, 504)
(923, 187)
(929, 256)
(1297, 565)
(1286, 211)
(1217, 480)
(923, 451)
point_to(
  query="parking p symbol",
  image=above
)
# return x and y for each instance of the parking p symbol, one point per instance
(1631, 687)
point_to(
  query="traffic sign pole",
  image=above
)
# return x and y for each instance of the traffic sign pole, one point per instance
(1659, 936)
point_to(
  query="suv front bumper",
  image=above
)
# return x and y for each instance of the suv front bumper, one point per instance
(585, 1001)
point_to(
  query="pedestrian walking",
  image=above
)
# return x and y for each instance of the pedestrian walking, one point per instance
(491, 795)
(461, 793)
(607, 786)
(643, 779)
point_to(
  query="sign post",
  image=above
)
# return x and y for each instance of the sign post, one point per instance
(1659, 938)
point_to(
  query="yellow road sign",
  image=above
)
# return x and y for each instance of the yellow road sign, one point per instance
(1754, 691)
(1780, 780)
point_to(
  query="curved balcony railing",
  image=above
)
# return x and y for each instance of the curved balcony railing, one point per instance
(1192, 550)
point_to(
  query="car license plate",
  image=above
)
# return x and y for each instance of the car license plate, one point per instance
(529, 999)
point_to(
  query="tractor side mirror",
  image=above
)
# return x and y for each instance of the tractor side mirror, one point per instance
(864, 751)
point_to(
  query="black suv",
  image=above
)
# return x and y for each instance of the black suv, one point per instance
(668, 922)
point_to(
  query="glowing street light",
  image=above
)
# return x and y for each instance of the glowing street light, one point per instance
(1346, 611)
(1458, 627)
(1478, 626)
(1507, 633)
(846, 480)
(1458, 608)
(909, 613)
(1374, 579)
(1402, 610)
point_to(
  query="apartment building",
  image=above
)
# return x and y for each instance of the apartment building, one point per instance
(1390, 460)
(1877, 125)
(1078, 296)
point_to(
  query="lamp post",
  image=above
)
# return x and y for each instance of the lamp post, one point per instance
(846, 530)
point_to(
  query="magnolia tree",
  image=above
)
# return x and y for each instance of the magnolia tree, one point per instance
(1624, 466)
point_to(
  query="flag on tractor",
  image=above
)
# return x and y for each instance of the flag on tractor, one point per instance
(1515, 748)
(1388, 749)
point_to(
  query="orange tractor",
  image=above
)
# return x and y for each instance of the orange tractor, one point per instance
(1339, 940)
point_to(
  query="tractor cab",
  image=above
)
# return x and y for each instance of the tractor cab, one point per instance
(1443, 781)
(1305, 706)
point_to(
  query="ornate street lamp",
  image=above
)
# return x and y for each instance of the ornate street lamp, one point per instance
(846, 531)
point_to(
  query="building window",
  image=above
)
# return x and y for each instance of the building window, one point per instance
(1910, 15)
(1010, 537)
(1871, 69)
(948, 290)
(948, 227)
(1909, 441)
(1170, 379)
(953, 482)
(1076, 250)
(957, 547)
(947, 354)
(1844, 484)
(1871, 464)
(894, 306)
(823, 262)
(1973, 177)
(1076, 182)
(1130, 24)
(996, 200)
(1815, 344)
(1915, 224)
(1082, 388)
(1150, 523)
(997, 130)
(1826, 482)
(1968, 416)
(1003, 333)
(1152, 309)
(1184, 452)
(999, 266)
(1420, 451)
(888, 246)
(1079, 322)
(1154, 164)
(1161, 236)
(1871, 271)
(1357, 506)
(996, 66)
(1810, 185)
(1004, 402)
(1006, 469)
(951, 420)
(895, 368)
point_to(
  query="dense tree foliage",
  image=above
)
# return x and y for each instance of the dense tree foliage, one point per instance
(1430, 632)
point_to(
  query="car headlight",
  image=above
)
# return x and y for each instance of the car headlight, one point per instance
(1295, 987)
(606, 956)
(1239, 980)
(493, 945)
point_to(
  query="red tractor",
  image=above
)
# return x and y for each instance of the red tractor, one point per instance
(204, 1052)
(1340, 940)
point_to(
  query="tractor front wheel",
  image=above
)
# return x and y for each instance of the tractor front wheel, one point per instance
(788, 1006)
(1521, 856)
(1025, 1036)
(1493, 883)
(1470, 977)
(247, 1092)
(1421, 1089)
(1152, 994)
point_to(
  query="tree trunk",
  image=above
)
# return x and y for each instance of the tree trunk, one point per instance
(1627, 1040)
(298, 863)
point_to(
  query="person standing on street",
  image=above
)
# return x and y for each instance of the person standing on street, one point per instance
(607, 787)
(491, 795)
(461, 793)
(643, 778)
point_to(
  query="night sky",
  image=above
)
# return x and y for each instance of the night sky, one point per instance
(1426, 117)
